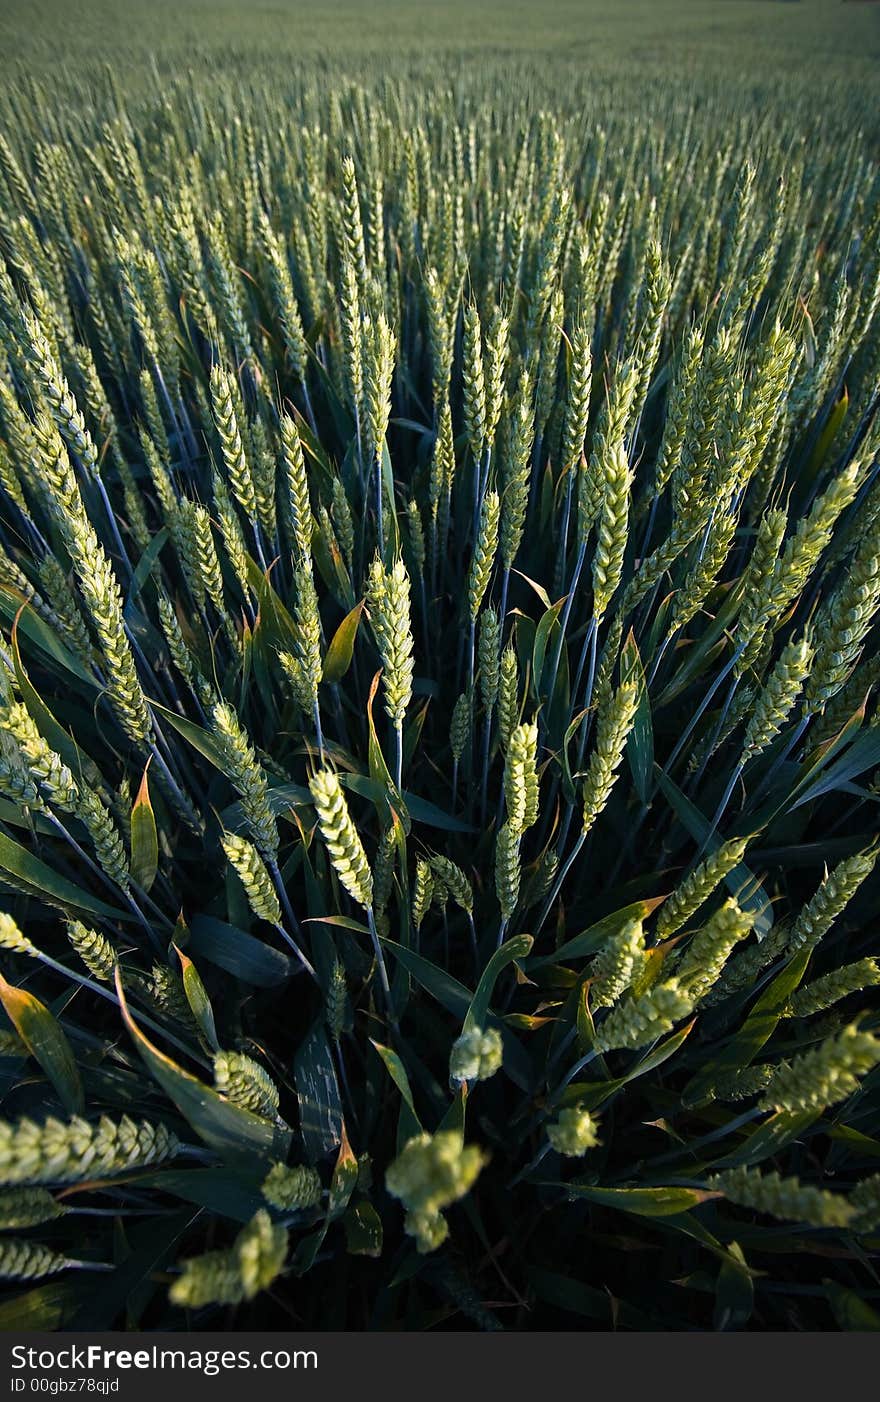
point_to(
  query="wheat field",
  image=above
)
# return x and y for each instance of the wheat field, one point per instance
(439, 591)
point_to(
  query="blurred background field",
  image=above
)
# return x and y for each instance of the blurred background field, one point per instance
(715, 40)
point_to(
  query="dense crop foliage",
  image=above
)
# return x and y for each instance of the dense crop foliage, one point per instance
(439, 577)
